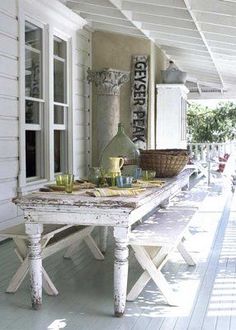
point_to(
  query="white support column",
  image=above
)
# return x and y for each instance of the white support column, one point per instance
(107, 115)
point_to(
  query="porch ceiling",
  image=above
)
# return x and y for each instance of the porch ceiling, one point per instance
(199, 35)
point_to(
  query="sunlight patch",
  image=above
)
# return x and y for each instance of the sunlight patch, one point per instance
(57, 324)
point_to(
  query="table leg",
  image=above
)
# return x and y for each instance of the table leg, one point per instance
(35, 263)
(120, 270)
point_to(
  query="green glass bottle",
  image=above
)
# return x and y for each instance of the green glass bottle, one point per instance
(121, 146)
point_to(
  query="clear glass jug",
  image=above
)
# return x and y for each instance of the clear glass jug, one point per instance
(121, 146)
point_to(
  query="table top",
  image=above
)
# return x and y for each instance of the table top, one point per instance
(80, 208)
(80, 199)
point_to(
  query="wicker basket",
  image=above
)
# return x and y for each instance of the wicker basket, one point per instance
(166, 162)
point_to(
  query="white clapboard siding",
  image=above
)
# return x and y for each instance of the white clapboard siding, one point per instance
(8, 24)
(83, 43)
(82, 150)
(8, 107)
(83, 57)
(8, 66)
(82, 103)
(83, 131)
(82, 85)
(81, 117)
(8, 45)
(9, 125)
(8, 6)
(80, 72)
(8, 86)
(8, 168)
(7, 189)
(9, 148)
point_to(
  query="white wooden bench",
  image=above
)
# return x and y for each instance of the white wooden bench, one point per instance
(155, 239)
(54, 238)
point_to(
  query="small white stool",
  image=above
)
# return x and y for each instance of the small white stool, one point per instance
(54, 238)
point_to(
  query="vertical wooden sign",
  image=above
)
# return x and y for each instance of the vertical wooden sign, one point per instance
(139, 99)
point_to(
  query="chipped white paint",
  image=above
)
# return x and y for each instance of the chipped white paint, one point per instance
(81, 209)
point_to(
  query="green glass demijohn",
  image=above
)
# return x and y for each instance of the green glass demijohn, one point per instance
(121, 146)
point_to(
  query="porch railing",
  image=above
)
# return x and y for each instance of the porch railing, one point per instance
(210, 151)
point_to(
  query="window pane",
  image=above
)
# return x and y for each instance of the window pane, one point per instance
(60, 154)
(33, 60)
(32, 112)
(59, 70)
(59, 115)
(59, 81)
(59, 47)
(33, 153)
(33, 36)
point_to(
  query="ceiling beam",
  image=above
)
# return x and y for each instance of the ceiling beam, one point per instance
(128, 14)
(213, 6)
(218, 29)
(103, 3)
(174, 37)
(167, 3)
(98, 10)
(162, 20)
(220, 38)
(182, 14)
(216, 19)
(188, 4)
(170, 29)
(118, 29)
(181, 45)
(108, 20)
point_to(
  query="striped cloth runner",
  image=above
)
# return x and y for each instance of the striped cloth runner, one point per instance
(109, 192)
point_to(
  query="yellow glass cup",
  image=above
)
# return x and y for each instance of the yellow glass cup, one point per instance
(148, 175)
(60, 180)
(69, 182)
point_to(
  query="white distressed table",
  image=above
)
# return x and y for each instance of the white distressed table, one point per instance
(80, 209)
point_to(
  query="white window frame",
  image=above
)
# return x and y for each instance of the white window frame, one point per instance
(58, 20)
(46, 124)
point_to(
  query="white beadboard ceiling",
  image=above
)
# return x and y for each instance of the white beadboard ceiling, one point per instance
(199, 35)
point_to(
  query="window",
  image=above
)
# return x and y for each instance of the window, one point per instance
(34, 103)
(46, 133)
(60, 116)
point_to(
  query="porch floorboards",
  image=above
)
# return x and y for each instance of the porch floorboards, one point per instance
(207, 291)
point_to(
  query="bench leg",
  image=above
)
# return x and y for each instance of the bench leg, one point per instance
(48, 285)
(93, 248)
(70, 250)
(89, 241)
(185, 254)
(18, 277)
(152, 272)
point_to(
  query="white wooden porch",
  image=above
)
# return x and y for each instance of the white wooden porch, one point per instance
(207, 291)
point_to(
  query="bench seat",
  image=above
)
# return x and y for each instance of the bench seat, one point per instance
(155, 239)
